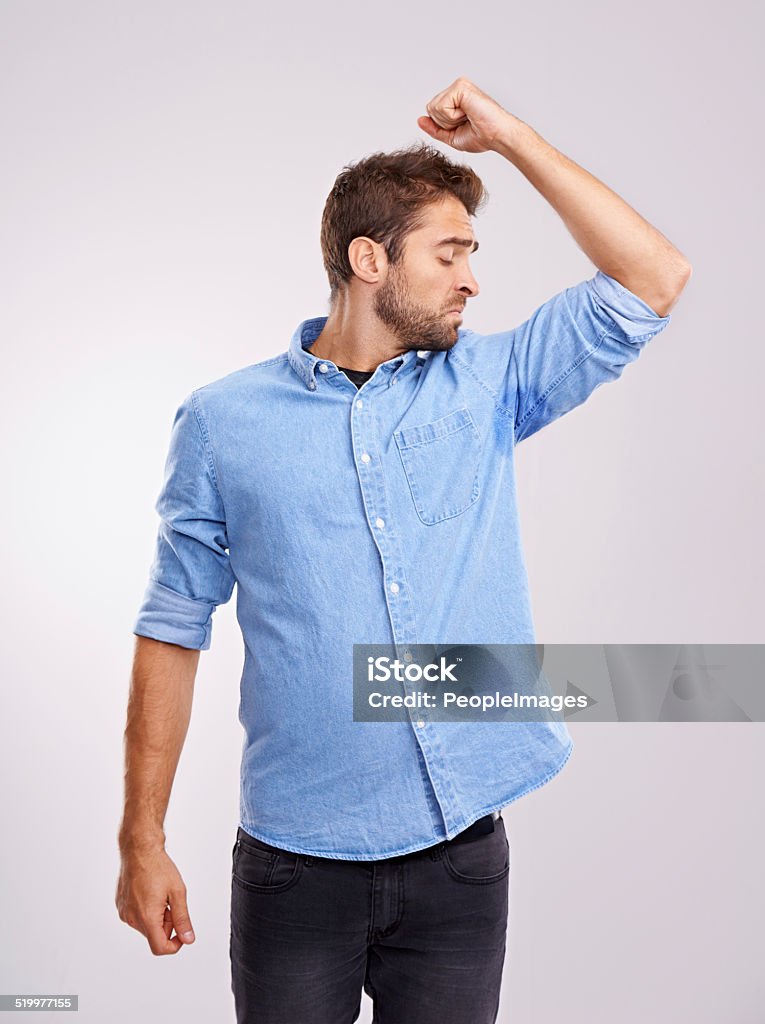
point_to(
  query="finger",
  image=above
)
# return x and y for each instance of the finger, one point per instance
(180, 916)
(159, 943)
(446, 112)
(429, 125)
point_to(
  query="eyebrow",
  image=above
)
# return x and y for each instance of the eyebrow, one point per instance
(457, 241)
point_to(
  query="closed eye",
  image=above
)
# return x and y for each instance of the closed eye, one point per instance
(447, 262)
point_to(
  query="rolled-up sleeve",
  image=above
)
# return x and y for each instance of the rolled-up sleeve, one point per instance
(191, 574)
(578, 340)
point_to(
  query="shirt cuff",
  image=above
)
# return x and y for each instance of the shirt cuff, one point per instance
(174, 618)
(634, 317)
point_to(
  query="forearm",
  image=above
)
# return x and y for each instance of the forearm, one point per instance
(159, 711)
(615, 237)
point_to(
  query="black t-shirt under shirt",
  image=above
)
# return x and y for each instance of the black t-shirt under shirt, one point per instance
(357, 377)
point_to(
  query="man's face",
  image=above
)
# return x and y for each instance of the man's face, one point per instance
(424, 294)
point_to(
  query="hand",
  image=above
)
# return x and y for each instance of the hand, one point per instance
(465, 117)
(151, 898)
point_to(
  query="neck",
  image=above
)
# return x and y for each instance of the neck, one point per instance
(355, 338)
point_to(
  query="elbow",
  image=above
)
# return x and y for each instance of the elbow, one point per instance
(672, 289)
(685, 272)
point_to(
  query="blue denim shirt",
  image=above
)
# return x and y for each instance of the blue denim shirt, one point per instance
(386, 515)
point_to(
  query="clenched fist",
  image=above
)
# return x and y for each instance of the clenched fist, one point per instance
(465, 117)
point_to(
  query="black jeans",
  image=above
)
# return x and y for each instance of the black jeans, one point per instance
(423, 934)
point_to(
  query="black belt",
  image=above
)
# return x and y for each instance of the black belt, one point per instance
(479, 828)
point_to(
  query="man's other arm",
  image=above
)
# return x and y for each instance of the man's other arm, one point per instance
(151, 895)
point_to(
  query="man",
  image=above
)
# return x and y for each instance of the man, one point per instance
(359, 489)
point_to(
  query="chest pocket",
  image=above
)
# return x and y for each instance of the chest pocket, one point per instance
(440, 460)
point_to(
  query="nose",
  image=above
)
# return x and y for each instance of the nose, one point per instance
(469, 287)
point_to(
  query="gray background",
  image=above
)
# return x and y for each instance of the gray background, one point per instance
(164, 169)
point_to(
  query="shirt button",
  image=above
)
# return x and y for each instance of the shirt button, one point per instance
(394, 380)
(379, 522)
(322, 367)
(420, 724)
(359, 403)
(407, 655)
(365, 457)
(312, 385)
(394, 587)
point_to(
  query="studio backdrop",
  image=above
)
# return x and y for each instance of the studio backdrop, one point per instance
(164, 171)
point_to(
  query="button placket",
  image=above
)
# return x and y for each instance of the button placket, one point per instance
(401, 612)
(371, 479)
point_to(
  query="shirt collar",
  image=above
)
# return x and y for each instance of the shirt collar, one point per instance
(305, 363)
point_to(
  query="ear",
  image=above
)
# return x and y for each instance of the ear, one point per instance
(368, 259)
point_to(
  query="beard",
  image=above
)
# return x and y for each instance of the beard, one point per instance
(416, 327)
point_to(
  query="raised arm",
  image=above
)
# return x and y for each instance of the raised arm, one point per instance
(616, 238)
(151, 895)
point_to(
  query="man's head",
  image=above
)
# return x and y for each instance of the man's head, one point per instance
(396, 233)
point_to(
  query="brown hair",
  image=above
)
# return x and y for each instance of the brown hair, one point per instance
(383, 198)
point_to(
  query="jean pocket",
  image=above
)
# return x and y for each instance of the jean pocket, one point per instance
(441, 460)
(259, 867)
(479, 862)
